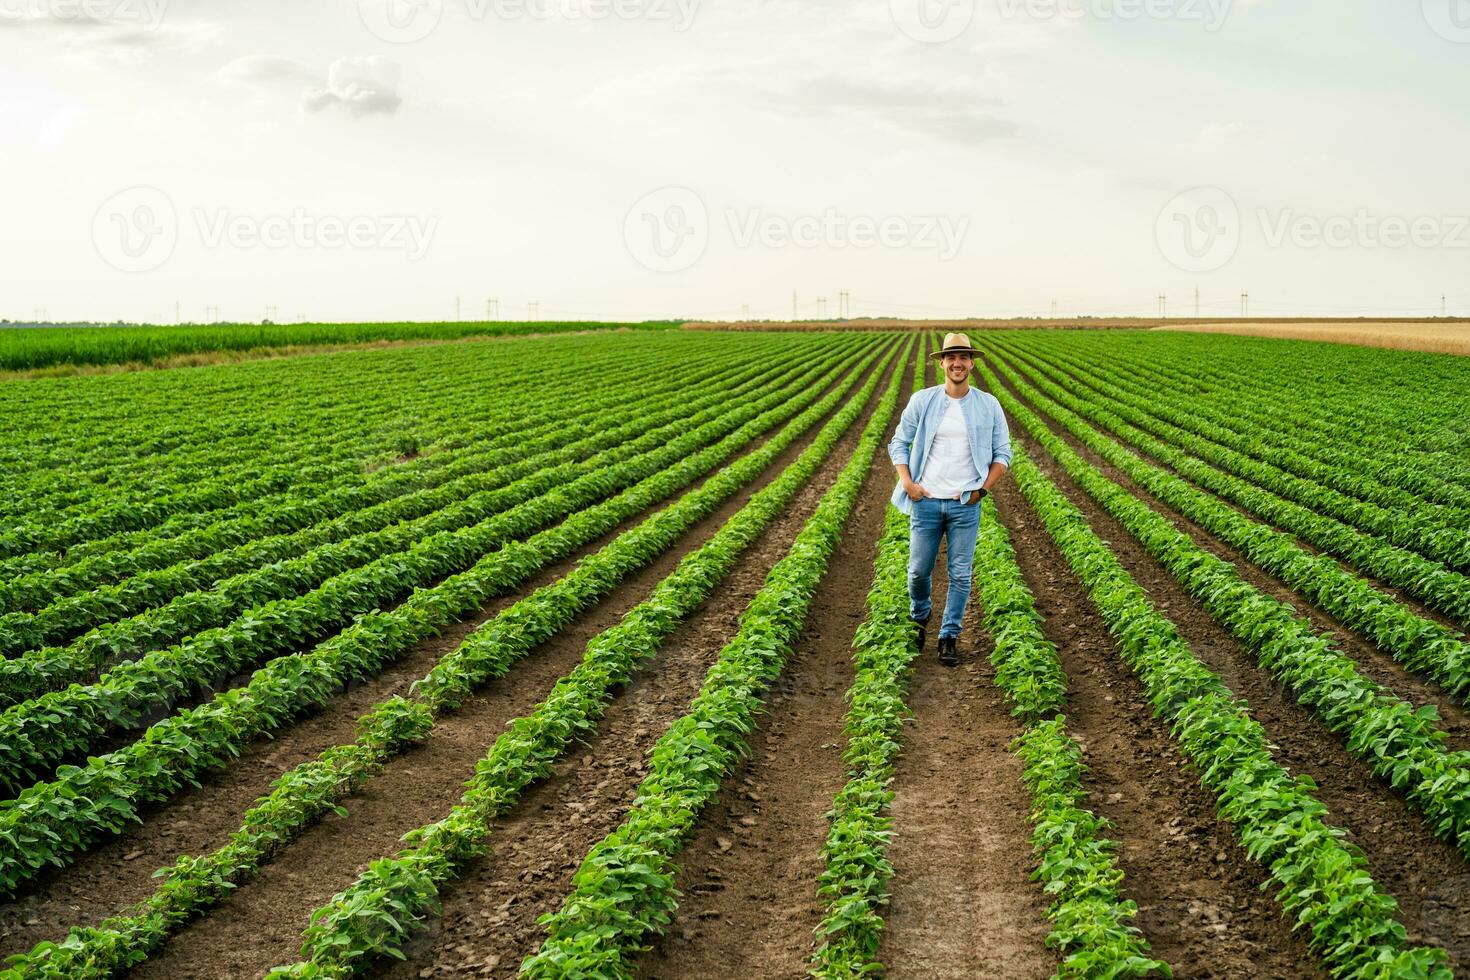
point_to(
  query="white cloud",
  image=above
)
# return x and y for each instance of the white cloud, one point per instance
(358, 86)
(258, 69)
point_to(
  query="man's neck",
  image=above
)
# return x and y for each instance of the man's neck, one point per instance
(957, 390)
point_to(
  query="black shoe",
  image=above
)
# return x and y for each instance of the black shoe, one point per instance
(922, 626)
(948, 655)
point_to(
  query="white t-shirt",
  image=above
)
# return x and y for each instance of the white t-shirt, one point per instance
(950, 466)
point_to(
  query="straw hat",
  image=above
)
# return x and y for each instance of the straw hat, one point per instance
(955, 343)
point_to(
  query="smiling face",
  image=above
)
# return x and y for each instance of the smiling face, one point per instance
(957, 366)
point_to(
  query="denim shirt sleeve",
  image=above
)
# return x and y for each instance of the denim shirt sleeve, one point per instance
(903, 439)
(1000, 439)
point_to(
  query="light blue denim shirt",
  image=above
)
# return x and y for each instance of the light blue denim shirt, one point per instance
(990, 437)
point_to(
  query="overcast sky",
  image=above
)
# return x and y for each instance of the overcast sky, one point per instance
(346, 160)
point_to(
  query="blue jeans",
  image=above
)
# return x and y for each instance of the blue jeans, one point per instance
(931, 520)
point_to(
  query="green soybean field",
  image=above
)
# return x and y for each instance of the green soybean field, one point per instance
(586, 653)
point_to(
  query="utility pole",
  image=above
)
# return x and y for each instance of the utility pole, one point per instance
(1053, 309)
(844, 308)
(821, 307)
(1245, 305)
(270, 312)
(793, 306)
(533, 309)
(1442, 306)
(456, 310)
(745, 311)
(176, 313)
(1162, 309)
(1196, 302)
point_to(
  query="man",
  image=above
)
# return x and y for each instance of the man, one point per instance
(951, 447)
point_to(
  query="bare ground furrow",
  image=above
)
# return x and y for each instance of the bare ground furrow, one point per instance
(119, 871)
(962, 901)
(489, 923)
(263, 922)
(1428, 878)
(1398, 594)
(1372, 662)
(749, 874)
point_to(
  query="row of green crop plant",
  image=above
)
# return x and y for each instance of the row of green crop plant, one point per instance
(478, 421)
(522, 755)
(249, 595)
(29, 349)
(267, 568)
(184, 523)
(856, 870)
(1395, 439)
(76, 717)
(1403, 746)
(187, 475)
(624, 889)
(301, 507)
(258, 469)
(1421, 644)
(1387, 481)
(1172, 421)
(53, 822)
(1091, 919)
(436, 416)
(1429, 581)
(1320, 879)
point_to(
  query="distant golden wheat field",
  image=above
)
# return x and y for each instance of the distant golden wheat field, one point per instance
(1443, 337)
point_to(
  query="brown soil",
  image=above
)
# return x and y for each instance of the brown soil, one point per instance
(262, 922)
(489, 919)
(962, 903)
(1406, 860)
(1199, 898)
(119, 871)
(1068, 378)
(1372, 662)
(750, 872)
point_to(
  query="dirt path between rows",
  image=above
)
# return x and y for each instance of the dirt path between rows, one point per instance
(1069, 378)
(962, 902)
(488, 925)
(1197, 890)
(1372, 662)
(119, 871)
(750, 872)
(1427, 877)
(263, 922)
